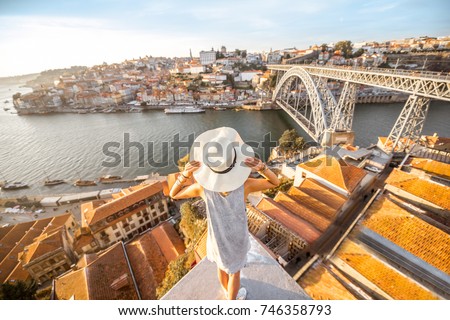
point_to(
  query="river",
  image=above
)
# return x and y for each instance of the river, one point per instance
(72, 146)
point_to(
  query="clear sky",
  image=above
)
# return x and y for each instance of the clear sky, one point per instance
(36, 35)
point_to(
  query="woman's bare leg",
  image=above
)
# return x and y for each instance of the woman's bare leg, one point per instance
(223, 279)
(234, 284)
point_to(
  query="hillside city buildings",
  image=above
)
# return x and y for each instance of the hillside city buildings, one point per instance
(228, 78)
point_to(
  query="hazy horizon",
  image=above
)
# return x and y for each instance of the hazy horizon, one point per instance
(38, 36)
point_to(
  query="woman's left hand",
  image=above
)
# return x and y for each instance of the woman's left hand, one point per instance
(254, 163)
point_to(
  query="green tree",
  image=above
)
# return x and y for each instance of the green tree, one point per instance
(176, 270)
(358, 53)
(323, 47)
(192, 223)
(285, 185)
(290, 142)
(345, 47)
(20, 290)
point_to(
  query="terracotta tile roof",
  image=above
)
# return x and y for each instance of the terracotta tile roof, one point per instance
(4, 231)
(57, 222)
(72, 285)
(148, 264)
(19, 273)
(427, 190)
(337, 172)
(388, 279)
(403, 141)
(292, 222)
(312, 203)
(320, 284)
(409, 232)
(10, 262)
(438, 143)
(322, 193)
(318, 221)
(110, 266)
(16, 233)
(434, 167)
(132, 195)
(42, 245)
(82, 241)
(168, 241)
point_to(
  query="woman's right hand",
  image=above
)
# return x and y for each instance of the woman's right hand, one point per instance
(190, 168)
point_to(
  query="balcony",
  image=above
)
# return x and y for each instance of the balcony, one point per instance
(263, 278)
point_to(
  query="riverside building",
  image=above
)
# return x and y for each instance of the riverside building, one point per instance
(131, 212)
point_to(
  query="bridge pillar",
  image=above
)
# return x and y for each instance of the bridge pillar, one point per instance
(409, 124)
(343, 115)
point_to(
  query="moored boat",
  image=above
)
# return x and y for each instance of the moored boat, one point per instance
(184, 110)
(49, 182)
(109, 178)
(84, 183)
(14, 185)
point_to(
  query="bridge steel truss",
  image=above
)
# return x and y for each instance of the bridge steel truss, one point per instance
(409, 124)
(306, 106)
(327, 114)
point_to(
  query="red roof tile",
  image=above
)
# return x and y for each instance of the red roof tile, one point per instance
(318, 221)
(132, 195)
(427, 190)
(410, 232)
(337, 172)
(312, 203)
(292, 222)
(104, 271)
(322, 193)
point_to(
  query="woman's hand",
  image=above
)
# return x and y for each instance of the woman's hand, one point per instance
(190, 168)
(254, 163)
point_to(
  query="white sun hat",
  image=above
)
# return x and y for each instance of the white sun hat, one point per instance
(221, 153)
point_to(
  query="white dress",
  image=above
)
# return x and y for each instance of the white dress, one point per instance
(228, 238)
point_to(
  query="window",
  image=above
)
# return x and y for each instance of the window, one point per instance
(141, 221)
(132, 226)
(304, 175)
(130, 219)
(52, 261)
(103, 233)
(152, 207)
(117, 234)
(127, 228)
(114, 226)
(139, 214)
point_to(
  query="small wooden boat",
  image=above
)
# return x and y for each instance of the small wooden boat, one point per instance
(14, 185)
(49, 182)
(84, 183)
(108, 178)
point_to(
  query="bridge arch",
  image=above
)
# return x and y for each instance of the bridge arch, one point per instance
(320, 102)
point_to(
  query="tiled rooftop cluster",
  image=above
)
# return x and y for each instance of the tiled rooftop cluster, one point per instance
(26, 243)
(130, 271)
(394, 283)
(410, 232)
(311, 206)
(395, 251)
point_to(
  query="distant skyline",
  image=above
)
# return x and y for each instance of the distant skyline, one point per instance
(40, 35)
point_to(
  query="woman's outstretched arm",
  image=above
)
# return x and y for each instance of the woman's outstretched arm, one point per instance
(194, 190)
(271, 180)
